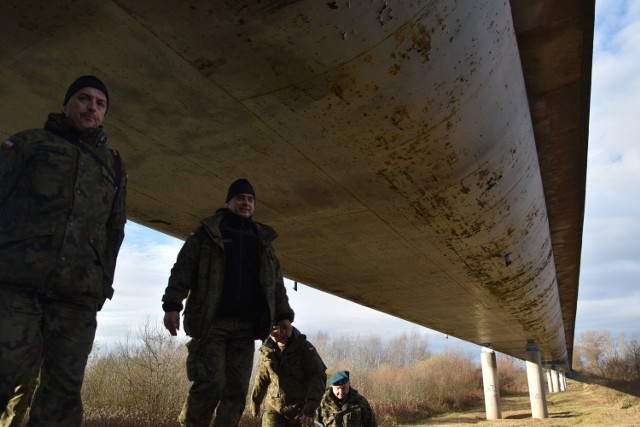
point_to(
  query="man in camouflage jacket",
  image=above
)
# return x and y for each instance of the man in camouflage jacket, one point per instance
(228, 272)
(291, 375)
(62, 217)
(343, 406)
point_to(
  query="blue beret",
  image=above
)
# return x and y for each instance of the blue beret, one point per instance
(339, 378)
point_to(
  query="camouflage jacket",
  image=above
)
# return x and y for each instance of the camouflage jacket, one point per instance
(62, 211)
(293, 380)
(353, 412)
(198, 276)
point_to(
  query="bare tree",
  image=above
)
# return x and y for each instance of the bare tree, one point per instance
(143, 380)
(633, 357)
(595, 346)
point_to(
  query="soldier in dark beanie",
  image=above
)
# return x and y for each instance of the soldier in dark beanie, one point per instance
(62, 217)
(229, 274)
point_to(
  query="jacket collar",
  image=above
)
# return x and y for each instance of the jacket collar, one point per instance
(266, 234)
(57, 124)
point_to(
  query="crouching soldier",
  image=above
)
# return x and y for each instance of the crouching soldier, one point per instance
(343, 406)
(292, 376)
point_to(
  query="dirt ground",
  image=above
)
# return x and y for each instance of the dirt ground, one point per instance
(581, 404)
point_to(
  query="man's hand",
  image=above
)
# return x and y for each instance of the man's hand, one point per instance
(305, 420)
(172, 322)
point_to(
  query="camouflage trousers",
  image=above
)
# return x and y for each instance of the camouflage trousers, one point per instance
(19, 404)
(220, 367)
(55, 336)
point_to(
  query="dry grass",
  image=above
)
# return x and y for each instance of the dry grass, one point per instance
(145, 385)
(582, 404)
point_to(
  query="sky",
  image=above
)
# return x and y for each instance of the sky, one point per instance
(609, 295)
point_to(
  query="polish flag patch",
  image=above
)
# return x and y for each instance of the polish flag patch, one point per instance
(7, 145)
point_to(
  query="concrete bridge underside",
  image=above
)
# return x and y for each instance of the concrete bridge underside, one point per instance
(423, 158)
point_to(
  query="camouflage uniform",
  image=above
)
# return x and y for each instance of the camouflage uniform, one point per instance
(62, 216)
(354, 411)
(292, 380)
(221, 350)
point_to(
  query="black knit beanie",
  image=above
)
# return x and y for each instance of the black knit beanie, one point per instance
(239, 186)
(86, 81)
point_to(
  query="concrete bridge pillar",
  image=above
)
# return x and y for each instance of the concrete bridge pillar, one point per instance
(555, 379)
(550, 381)
(561, 381)
(536, 382)
(490, 382)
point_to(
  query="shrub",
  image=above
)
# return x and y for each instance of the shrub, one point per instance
(143, 381)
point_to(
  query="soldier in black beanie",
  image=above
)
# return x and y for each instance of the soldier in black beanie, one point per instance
(229, 274)
(62, 218)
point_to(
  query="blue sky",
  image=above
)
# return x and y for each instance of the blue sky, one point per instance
(609, 295)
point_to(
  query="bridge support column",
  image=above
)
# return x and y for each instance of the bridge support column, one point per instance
(555, 379)
(561, 381)
(536, 382)
(490, 382)
(549, 381)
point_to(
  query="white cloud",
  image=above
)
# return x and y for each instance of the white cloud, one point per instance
(608, 293)
(142, 271)
(609, 238)
(610, 314)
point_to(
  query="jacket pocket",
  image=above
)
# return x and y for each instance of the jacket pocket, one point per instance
(194, 314)
(98, 245)
(194, 360)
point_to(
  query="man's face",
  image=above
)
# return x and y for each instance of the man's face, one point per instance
(242, 205)
(86, 108)
(340, 391)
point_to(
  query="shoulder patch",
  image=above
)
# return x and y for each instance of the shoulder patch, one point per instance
(7, 145)
(312, 348)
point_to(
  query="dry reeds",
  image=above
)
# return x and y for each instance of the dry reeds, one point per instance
(143, 382)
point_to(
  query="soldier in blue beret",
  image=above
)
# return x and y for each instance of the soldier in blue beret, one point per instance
(343, 406)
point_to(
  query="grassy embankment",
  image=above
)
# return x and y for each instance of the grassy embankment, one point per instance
(582, 404)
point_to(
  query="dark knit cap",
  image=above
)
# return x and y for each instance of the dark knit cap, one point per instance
(239, 186)
(86, 81)
(339, 378)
